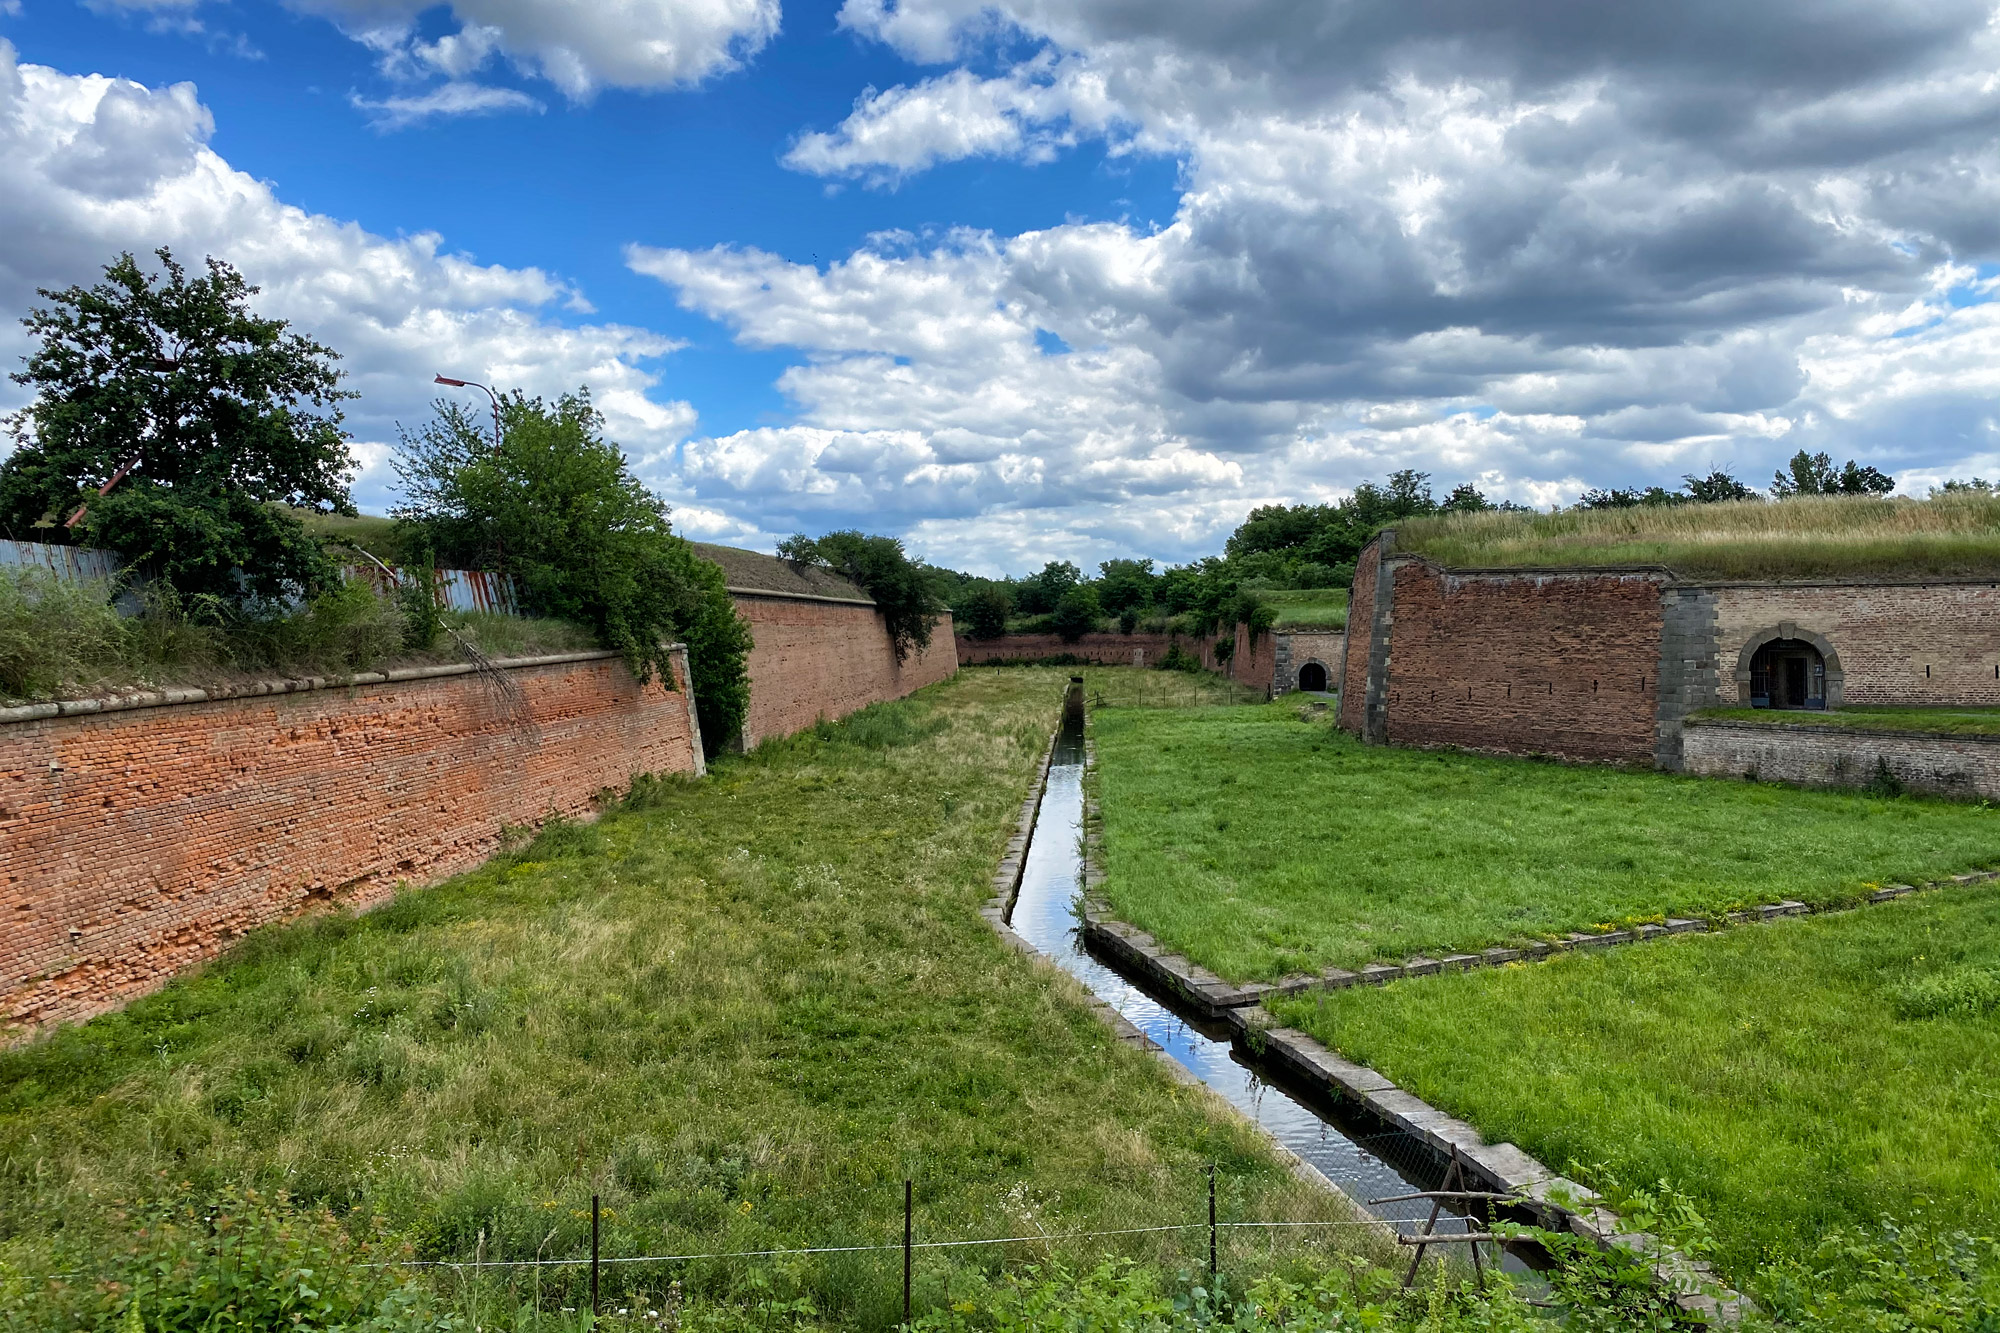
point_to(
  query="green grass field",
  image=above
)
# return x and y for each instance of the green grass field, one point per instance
(1944, 721)
(741, 1010)
(1260, 842)
(1309, 608)
(1790, 1076)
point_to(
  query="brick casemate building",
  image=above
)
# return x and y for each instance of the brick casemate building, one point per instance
(1606, 663)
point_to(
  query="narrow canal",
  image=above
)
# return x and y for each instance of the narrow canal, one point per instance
(1361, 1157)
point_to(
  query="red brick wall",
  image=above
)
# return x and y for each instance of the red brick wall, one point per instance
(1360, 622)
(826, 659)
(1933, 643)
(135, 843)
(1564, 664)
(1253, 666)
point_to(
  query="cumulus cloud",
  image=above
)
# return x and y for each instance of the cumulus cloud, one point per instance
(1540, 247)
(90, 166)
(644, 44)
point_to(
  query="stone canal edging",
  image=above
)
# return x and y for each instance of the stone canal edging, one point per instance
(1557, 1203)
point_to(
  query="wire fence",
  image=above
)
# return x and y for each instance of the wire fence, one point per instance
(871, 1257)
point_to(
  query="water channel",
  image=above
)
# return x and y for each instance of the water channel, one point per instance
(1360, 1156)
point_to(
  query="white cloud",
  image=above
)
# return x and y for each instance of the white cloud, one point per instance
(580, 48)
(447, 99)
(90, 166)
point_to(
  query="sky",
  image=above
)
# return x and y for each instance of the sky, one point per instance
(1066, 279)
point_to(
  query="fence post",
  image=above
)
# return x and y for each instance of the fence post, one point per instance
(1211, 1224)
(908, 1194)
(593, 1260)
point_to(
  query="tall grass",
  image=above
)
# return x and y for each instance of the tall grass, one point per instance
(1956, 534)
(55, 635)
(64, 639)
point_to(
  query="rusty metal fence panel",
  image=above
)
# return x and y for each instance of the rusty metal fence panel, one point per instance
(65, 562)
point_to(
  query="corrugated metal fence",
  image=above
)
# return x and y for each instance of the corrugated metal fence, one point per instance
(457, 589)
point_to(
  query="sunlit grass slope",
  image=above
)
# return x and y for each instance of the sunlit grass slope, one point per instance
(1261, 842)
(1790, 1076)
(1952, 535)
(741, 1010)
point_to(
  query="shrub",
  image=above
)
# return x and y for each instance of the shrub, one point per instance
(241, 1261)
(345, 629)
(554, 505)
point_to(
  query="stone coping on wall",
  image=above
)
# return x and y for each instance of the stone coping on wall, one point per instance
(117, 703)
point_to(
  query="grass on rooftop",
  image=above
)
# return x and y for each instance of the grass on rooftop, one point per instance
(742, 1010)
(1942, 720)
(1836, 536)
(1260, 841)
(1309, 608)
(1790, 1076)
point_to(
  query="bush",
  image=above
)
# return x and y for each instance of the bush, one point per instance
(346, 629)
(986, 612)
(554, 505)
(55, 635)
(241, 1261)
(1076, 614)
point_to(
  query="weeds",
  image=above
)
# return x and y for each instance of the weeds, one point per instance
(55, 635)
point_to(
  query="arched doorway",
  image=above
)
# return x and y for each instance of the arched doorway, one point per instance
(1787, 673)
(1312, 678)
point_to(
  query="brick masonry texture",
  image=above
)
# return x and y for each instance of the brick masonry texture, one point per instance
(1963, 766)
(1357, 649)
(1553, 663)
(136, 843)
(1292, 649)
(1907, 643)
(1252, 664)
(815, 659)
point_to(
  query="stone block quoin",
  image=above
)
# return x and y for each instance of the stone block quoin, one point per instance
(134, 843)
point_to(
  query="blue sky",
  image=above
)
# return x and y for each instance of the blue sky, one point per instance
(1027, 280)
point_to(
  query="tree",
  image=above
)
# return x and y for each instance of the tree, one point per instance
(1814, 474)
(1717, 487)
(986, 611)
(1038, 594)
(1125, 585)
(1077, 613)
(202, 417)
(554, 505)
(902, 590)
(1964, 486)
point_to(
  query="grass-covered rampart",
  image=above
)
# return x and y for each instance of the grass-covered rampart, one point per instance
(1819, 536)
(1943, 721)
(1791, 1077)
(742, 1011)
(1261, 841)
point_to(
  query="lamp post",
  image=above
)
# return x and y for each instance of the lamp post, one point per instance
(475, 384)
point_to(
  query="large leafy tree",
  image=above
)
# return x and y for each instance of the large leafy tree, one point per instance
(554, 505)
(904, 591)
(204, 418)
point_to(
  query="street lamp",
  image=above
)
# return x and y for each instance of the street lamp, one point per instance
(475, 384)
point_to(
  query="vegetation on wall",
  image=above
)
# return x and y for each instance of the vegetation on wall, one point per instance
(207, 423)
(554, 505)
(1955, 532)
(903, 590)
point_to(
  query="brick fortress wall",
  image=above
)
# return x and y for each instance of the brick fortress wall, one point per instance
(1252, 664)
(139, 841)
(1354, 652)
(1554, 663)
(817, 658)
(1904, 643)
